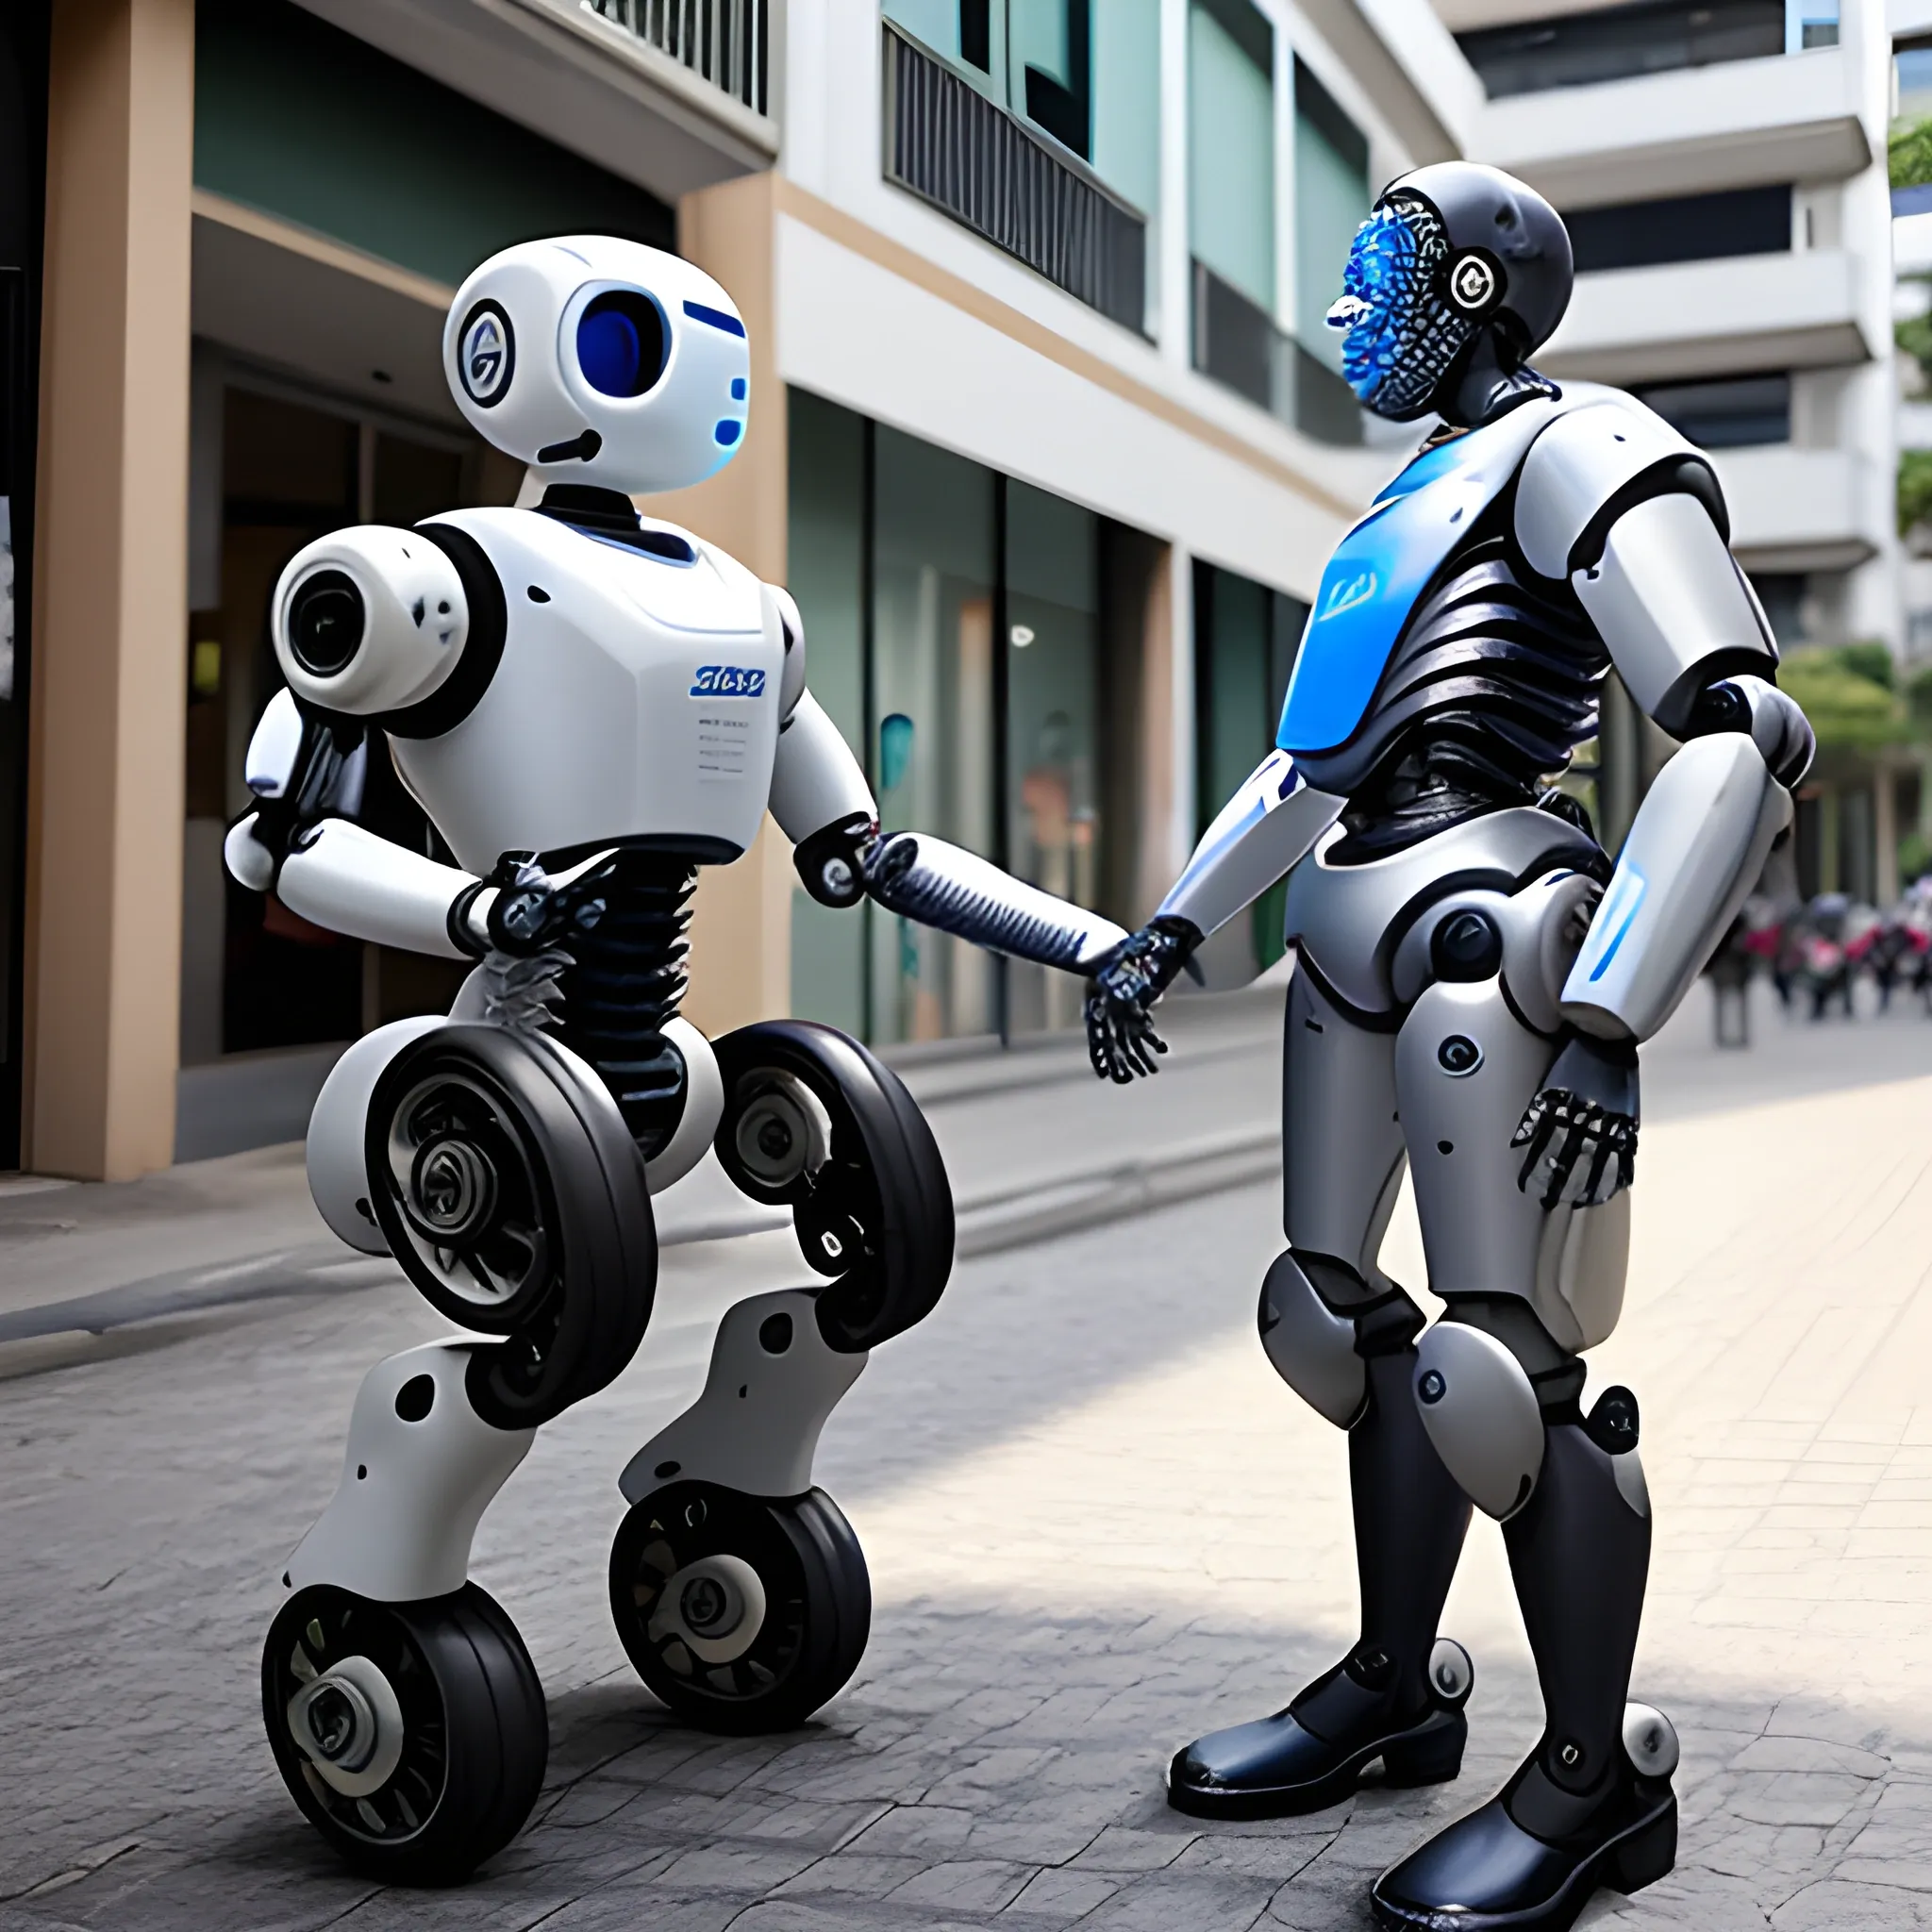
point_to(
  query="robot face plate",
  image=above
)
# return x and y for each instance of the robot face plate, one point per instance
(1402, 334)
(597, 360)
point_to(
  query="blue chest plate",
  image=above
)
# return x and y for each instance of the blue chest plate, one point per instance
(1378, 573)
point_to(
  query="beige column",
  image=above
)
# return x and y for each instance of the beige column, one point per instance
(105, 754)
(740, 967)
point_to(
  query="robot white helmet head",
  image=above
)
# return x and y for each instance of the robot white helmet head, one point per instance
(600, 362)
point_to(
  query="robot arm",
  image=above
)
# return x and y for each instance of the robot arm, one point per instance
(1267, 826)
(1613, 499)
(821, 802)
(307, 773)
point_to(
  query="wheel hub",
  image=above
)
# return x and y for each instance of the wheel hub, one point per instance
(715, 1606)
(452, 1189)
(783, 1133)
(348, 1723)
(342, 1727)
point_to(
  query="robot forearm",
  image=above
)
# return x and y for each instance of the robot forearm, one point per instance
(1698, 843)
(956, 891)
(350, 881)
(1266, 827)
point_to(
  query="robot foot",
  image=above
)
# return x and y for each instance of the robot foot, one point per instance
(1525, 1861)
(1312, 1754)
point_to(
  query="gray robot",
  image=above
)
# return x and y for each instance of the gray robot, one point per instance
(589, 705)
(1474, 977)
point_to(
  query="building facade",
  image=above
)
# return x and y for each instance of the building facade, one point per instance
(1046, 435)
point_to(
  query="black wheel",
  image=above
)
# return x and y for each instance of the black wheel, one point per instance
(413, 1736)
(502, 1177)
(742, 1613)
(813, 1121)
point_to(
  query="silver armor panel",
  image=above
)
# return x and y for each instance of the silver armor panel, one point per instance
(1696, 848)
(1341, 1143)
(1482, 1415)
(1578, 463)
(1466, 1068)
(1348, 920)
(1256, 835)
(1311, 1347)
(1541, 927)
(957, 891)
(1672, 606)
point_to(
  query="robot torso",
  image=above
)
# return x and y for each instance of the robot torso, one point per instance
(1438, 676)
(635, 701)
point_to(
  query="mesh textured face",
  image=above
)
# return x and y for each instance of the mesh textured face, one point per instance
(1402, 334)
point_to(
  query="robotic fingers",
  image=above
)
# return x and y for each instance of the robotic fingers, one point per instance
(1579, 1133)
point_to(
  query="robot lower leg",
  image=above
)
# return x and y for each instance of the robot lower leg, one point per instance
(1398, 1693)
(1592, 1804)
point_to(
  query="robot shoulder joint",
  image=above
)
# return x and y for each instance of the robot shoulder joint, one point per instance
(1591, 466)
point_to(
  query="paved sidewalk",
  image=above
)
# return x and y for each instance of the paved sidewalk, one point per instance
(1096, 1525)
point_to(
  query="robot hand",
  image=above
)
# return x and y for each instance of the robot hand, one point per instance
(1581, 1128)
(1121, 1040)
(534, 913)
(1766, 715)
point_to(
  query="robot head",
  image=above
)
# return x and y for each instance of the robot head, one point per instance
(595, 361)
(1451, 254)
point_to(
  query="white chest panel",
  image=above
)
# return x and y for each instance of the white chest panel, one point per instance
(637, 697)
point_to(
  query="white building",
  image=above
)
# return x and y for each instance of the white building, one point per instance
(1046, 436)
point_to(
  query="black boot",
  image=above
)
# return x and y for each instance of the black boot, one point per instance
(1398, 1694)
(1586, 1809)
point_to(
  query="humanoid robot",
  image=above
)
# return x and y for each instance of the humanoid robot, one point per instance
(1473, 979)
(589, 705)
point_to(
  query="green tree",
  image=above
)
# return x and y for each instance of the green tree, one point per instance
(1852, 710)
(1909, 153)
(1914, 489)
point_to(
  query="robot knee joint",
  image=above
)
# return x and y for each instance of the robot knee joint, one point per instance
(1482, 1415)
(1318, 1321)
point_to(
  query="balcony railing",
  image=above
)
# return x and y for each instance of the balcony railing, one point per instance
(967, 155)
(724, 42)
(1239, 344)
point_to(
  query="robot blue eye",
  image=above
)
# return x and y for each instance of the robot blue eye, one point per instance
(621, 343)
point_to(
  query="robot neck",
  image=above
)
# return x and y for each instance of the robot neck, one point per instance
(1488, 386)
(588, 506)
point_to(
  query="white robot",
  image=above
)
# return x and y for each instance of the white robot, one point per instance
(1473, 979)
(587, 705)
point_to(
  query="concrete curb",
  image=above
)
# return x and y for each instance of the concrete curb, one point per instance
(1003, 1218)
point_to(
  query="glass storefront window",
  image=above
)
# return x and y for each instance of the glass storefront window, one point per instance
(953, 632)
(931, 749)
(1245, 640)
(1053, 719)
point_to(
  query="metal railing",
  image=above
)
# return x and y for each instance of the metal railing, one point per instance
(724, 42)
(965, 154)
(1237, 343)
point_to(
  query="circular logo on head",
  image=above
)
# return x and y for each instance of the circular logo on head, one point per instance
(485, 353)
(1475, 283)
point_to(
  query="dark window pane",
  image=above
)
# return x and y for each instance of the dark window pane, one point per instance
(1732, 414)
(1687, 227)
(1575, 50)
